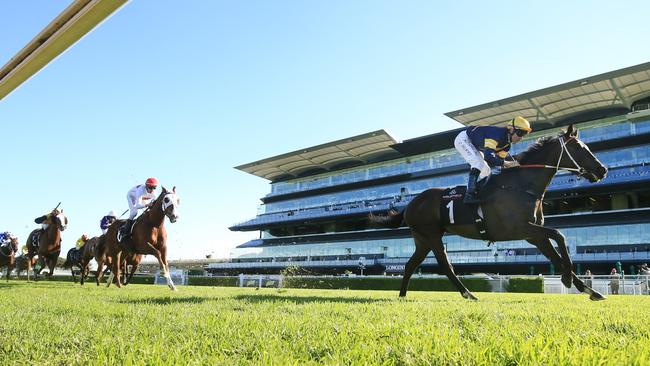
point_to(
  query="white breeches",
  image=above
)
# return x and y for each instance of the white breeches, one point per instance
(471, 154)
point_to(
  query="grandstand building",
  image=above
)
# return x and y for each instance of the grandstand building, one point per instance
(315, 216)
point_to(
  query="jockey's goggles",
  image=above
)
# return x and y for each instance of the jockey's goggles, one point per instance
(152, 188)
(521, 133)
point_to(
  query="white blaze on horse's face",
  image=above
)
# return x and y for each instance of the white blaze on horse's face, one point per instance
(169, 204)
(62, 221)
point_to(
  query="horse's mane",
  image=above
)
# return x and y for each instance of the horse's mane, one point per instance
(535, 148)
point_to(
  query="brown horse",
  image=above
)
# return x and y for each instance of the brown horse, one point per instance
(8, 255)
(148, 236)
(512, 209)
(48, 242)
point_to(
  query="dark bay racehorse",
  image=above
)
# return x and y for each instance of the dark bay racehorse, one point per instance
(149, 236)
(21, 264)
(81, 258)
(8, 255)
(512, 208)
(72, 259)
(49, 242)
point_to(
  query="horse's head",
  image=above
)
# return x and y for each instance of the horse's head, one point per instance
(170, 202)
(576, 154)
(59, 219)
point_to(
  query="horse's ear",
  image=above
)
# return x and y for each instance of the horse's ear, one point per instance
(174, 190)
(571, 132)
(164, 190)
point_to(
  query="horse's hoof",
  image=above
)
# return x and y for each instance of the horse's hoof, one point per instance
(468, 295)
(566, 281)
(596, 296)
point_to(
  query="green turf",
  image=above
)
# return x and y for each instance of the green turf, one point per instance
(61, 323)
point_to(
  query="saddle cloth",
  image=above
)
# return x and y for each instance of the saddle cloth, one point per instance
(35, 239)
(454, 212)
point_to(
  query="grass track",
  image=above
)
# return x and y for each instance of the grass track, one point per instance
(50, 323)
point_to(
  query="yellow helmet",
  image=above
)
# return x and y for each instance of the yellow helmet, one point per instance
(520, 123)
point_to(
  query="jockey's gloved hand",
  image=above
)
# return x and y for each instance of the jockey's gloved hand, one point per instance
(510, 164)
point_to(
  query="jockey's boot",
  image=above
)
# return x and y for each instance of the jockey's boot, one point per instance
(471, 196)
(125, 230)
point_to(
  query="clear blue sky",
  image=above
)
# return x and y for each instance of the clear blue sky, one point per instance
(186, 90)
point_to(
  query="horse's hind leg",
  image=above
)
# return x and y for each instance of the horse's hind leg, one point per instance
(435, 241)
(421, 251)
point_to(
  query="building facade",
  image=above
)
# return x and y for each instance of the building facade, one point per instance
(315, 216)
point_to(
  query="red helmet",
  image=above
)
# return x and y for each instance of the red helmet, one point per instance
(151, 182)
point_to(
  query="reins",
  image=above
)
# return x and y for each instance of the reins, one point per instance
(578, 169)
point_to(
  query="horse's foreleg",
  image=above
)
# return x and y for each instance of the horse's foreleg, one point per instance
(542, 234)
(116, 266)
(100, 270)
(161, 260)
(29, 268)
(134, 267)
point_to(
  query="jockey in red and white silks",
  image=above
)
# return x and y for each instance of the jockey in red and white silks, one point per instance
(141, 196)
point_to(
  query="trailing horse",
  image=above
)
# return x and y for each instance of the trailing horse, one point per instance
(81, 258)
(511, 206)
(46, 243)
(148, 237)
(8, 255)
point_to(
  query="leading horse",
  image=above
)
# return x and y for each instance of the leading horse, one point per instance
(511, 206)
(8, 255)
(48, 242)
(148, 237)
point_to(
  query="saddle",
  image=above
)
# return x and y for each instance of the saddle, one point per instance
(454, 212)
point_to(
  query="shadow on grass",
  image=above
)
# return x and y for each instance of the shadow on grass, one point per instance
(164, 300)
(261, 298)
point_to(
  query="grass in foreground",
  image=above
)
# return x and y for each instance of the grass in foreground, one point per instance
(61, 323)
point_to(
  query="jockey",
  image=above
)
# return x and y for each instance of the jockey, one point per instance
(140, 196)
(484, 147)
(81, 241)
(46, 220)
(107, 221)
(5, 238)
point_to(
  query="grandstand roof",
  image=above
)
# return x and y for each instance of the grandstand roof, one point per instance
(75, 21)
(351, 151)
(588, 98)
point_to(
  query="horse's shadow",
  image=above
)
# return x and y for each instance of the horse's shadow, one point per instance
(164, 300)
(273, 298)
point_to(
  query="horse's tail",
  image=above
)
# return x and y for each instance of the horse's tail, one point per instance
(69, 260)
(393, 219)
